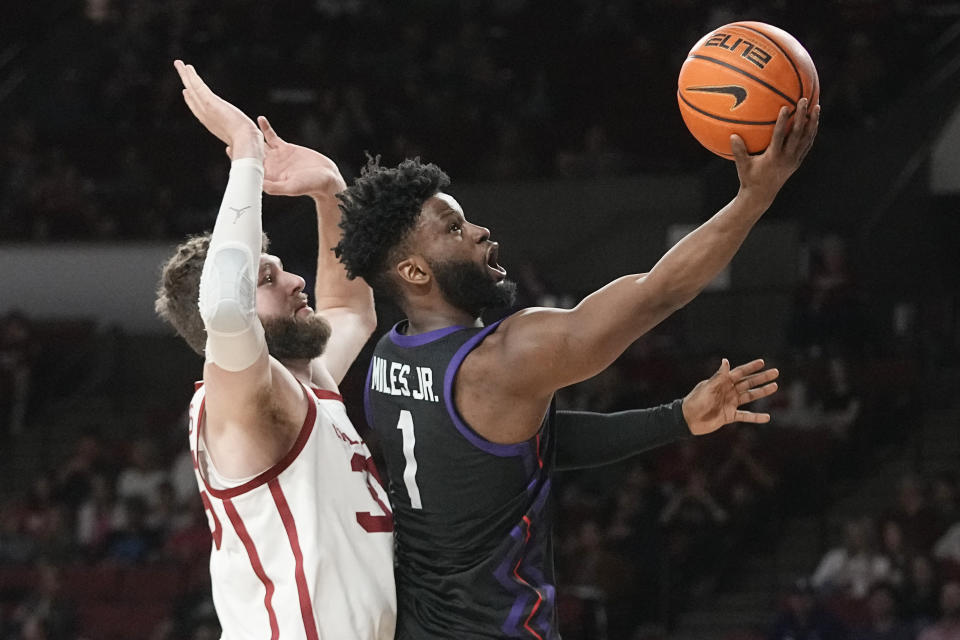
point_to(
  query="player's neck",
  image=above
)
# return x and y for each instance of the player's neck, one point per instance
(300, 370)
(425, 320)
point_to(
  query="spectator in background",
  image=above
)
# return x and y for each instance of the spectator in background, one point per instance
(943, 498)
(841, 406)
(190, 541)
(134, 542)
(895, 550)
(165, 516)
(921, 593)
(852, 568)
(800, 406)
(917, 519)
(633, 534)
(180, 474)
(694, 523)
(827, 306)
(18, 353)
(884, 622)
(96, 518)
(15, 546)
(43, 519)
(747, 479)
(947, 626)
(677, 462)
(142, 477)
(46, 614)
(85, 467)
(947, 548)
(803, 618)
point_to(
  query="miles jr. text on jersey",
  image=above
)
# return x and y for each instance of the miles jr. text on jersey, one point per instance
(393, 378)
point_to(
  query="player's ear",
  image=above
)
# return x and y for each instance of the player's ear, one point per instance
(413, 270)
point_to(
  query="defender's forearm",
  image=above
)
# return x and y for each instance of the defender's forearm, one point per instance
(333, 290)
(228, 284)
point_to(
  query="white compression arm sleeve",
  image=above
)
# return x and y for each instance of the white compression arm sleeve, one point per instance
(228, 283)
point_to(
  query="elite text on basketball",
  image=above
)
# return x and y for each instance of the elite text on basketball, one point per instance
(751, 52)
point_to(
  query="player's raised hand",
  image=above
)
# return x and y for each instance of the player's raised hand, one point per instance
(292, 170)
(716, 402)
(766, 173)
(221, 118)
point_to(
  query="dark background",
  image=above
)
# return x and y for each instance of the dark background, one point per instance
(558, 123)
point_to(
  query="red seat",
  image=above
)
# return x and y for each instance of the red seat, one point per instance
(949, 570)
(153, 584)
(14, 579)
(121, 621)
(851, 611)
(92, 584)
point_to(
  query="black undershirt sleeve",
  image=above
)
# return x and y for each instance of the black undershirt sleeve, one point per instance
(586, 439)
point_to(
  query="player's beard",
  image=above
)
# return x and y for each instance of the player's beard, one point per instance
(467, 286)
(296, 338)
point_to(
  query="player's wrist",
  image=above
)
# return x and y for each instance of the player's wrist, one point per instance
(327, 189)
(248, 144)
(756, 198)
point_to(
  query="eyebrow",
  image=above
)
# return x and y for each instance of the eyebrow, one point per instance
(455, 213)
(271, 264)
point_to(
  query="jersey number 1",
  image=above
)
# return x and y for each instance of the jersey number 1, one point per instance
(410, 471)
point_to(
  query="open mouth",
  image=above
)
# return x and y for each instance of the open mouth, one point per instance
(493, 265)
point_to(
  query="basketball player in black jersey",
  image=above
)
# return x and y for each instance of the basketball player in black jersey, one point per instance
(465, 412)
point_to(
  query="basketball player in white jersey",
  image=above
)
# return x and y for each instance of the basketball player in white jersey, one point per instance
(302, 532)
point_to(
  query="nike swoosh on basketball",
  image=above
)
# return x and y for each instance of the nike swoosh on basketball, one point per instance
(738, 92)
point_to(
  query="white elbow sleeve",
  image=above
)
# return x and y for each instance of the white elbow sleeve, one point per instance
(228, 288)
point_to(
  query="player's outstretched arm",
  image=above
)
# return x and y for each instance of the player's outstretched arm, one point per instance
(541, 350)
(293, 170)
(238, 372)
(586, 439)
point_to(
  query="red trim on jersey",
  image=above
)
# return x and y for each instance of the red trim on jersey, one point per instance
(241, 530)
(324, 394)
(306, 606)
(217, 531)
(276, 469)
(533, 612)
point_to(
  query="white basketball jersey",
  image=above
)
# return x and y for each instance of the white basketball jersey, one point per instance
(304, 549)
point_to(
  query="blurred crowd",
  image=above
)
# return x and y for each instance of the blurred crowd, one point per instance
(109, 506)
(893, 575)
(489, 90)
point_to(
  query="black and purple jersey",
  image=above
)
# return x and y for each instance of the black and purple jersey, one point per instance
(472, 518)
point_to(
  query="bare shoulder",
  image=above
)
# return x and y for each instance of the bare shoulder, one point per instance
(488, 393)
(530, 332)
(524, 347)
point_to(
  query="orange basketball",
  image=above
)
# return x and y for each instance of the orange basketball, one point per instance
(736, 78)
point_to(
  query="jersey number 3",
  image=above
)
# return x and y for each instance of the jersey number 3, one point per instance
(370, 522)
(410, 470)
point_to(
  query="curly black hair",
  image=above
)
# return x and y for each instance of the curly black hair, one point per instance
(379, 210)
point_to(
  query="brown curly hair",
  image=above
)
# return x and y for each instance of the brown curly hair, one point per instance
(179, 289)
